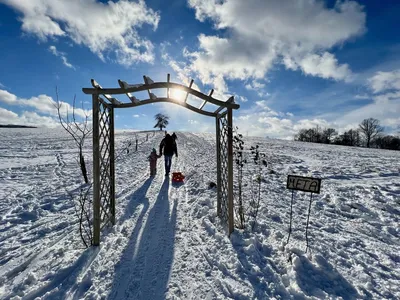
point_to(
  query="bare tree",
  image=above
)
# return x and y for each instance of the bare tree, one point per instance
(370, 128)
(328, 134)
(254, 203)
(312, 135)
(240, 160)
(78, 130)
(83, 205)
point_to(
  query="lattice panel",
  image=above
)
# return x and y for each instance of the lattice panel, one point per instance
(105, 162)
(223, 158)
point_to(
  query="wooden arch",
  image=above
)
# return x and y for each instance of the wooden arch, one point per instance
(104, 103)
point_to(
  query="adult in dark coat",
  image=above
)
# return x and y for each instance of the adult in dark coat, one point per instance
(168, 148)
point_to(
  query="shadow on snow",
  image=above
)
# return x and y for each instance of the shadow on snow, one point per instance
(324, 277)
(145, 265)
(58, 283)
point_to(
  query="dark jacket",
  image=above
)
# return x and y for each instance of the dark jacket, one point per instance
(168, 144)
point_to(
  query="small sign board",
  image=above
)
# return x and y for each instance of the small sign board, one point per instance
(305, 184)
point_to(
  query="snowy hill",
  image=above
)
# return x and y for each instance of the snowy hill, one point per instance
(168, 242)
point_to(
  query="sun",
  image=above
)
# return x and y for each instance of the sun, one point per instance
(177, 94)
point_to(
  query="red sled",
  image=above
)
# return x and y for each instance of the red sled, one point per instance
(177, 177)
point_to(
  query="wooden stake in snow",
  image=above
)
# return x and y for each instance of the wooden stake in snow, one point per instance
(291, 211)
(308, 219)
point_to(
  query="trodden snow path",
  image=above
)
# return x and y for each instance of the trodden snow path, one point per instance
(168, 242)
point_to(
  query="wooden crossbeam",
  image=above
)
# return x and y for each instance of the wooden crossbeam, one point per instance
(169, 100)
(146, 81)
(115, 101)
(219, 109)
(202, 105)
(205, 101)
(134, 99)
(96, 85)
(230, 100)
(123, 85)
(190, 86)
(168, 78)
(159, 85)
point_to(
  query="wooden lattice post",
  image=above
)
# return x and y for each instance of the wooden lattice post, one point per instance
(230, 173)
(218, 129)
(112, 167)
(96, 171)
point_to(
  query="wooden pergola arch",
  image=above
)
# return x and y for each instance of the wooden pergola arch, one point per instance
(104, 103)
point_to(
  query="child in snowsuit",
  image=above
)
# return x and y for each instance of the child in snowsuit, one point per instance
(153, 162)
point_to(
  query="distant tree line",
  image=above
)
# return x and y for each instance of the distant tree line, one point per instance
(16, 126)
(368, 134)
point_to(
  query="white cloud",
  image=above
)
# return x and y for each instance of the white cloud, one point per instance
(394, 123)
(181, 69)
(62, 55)
(277, 125)
(102, 27)
(241, 98)
(32, 118)
(258, 87)
(255, 125)
(306, 123)
(42, 104)
(7, 97)
(260, 33)
(7, 116)
(361, 97)
(26, 118)
(262, 104)
(263, 110)
(247, 117)
(383, 81)
(184, 74)
(255, 85)
(136, 116)
(386, 108)
(230, 58)
(260, 120)
(324, 66)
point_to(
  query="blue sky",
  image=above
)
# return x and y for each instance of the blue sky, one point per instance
(289, 64)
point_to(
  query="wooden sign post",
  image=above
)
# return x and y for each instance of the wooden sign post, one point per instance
(304, 184)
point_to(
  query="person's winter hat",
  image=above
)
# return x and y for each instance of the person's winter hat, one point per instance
(154, 150)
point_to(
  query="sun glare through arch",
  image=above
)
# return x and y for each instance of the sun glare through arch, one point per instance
(177, 94)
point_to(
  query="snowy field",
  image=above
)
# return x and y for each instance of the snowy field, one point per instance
(168, 242)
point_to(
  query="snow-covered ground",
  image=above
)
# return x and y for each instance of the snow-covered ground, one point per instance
(168, 242)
